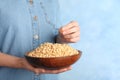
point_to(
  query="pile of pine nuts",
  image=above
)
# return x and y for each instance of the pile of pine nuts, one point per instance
(47, 50)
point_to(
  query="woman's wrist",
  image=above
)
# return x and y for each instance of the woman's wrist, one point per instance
(20, 63)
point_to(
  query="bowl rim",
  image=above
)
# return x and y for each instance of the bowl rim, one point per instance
(80, 53)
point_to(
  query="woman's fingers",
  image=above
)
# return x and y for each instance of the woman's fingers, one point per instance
(70, 30)
(73, 40)
(72, 35)
(38, 71)
(57, 71)
(48, 71)
(70, 25)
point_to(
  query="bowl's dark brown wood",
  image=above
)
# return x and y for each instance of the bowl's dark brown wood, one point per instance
(53, 63)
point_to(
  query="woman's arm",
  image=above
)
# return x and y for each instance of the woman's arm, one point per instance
(10, 61)
(16, 62)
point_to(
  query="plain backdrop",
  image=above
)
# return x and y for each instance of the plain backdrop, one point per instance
(100, 38)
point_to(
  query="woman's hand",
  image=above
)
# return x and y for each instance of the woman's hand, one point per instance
(38, 71)
(21, 63)
(69, 33)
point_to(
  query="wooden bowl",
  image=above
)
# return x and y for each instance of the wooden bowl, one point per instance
(54, 62)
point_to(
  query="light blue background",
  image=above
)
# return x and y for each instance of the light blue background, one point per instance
(100, 38)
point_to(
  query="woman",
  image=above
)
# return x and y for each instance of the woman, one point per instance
(24, 25)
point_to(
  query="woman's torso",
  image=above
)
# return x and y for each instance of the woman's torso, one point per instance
(24, 25)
